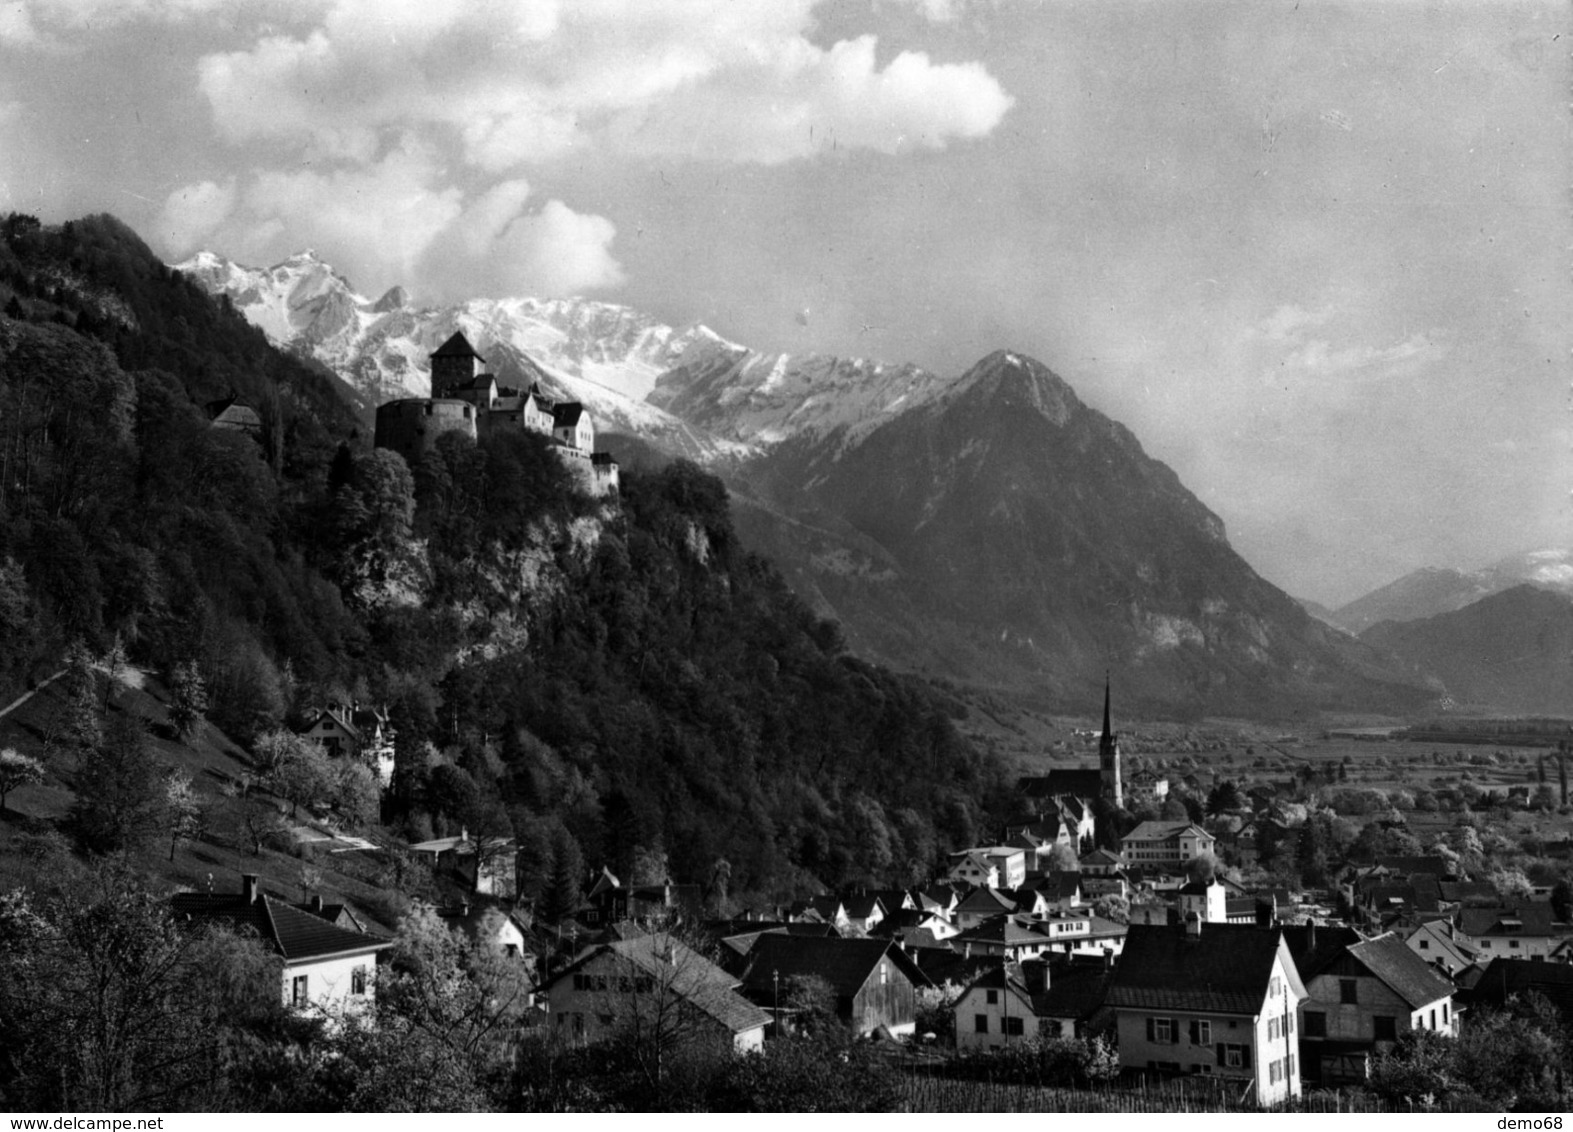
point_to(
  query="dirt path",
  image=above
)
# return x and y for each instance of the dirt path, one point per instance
(22, 699)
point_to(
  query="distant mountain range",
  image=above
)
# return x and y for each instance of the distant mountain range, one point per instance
(1511, 650)
(988, 528)
(1431, 591)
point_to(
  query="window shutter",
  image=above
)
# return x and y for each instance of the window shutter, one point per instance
(1196, 1032)
(1220, 1053)
(1151, 1031)
(1245, 1057)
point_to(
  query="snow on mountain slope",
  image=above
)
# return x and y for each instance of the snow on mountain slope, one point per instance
(687, 389)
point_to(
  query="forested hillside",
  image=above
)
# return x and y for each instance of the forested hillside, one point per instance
(605, 682)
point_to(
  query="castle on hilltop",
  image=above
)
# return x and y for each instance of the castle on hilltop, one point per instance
(467, 400)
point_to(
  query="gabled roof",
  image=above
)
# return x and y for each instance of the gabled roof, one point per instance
(1316, 947)
(1104, 857)
(1504, 978)
(681, 970)
(295, 934)
(1528, 919)
(566, 414)
(457, 346)
(1408, 866)
(860, 906)
(1075, 991)
(1405, 973)
(1224, 970)
(985, 901)
(1082, 782)
(845, 964)
(1163, 831)
(1006, 930)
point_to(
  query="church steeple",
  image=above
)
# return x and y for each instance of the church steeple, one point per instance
(1109, 754)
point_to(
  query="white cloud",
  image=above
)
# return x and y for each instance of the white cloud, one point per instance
(393, 221)
(193, 213)
(1291, 351)
(516, 83)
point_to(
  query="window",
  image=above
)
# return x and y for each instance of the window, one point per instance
(1433, 1017)
(1444, 1013)
(1348, 991)
(1425, 945)
(1234, 1057)
(992, 997)
(1384, 1028)
(298, 996)
(1162, 1030)
(358, 981)
(1512, 943)
(980, 1023)
(1014, 1025)
(1201, 1033)
(1272, 1029)
(1274, 988)
(1315, 1024)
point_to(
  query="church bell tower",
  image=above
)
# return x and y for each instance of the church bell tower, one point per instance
(1109, 755)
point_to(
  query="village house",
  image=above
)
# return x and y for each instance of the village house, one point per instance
(1363, 995)
(1438, 943)
(1013, 1002)
(657, 983)
(991, 866)
(1206, 899)
(352, 731)
(1165, 844)
(609, 901)
(327, 968)
(1527, 931)
(233, 413)
(489, 865)
(1216, 1000)
(982, 904)
(873, 981)
(1009, 937)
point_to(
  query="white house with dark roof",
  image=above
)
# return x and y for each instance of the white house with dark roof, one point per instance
(1165, 844)
(1217, 1000)
(326, 967)
(658, 982)
(1528, 931)
(1363, 997)
(1438, 943)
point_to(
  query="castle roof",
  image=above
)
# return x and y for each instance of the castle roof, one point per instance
(457, 346)
(566, 414)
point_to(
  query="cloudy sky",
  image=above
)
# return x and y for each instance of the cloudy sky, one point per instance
(1315, 255)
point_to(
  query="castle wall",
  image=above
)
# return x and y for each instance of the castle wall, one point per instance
(411, 426)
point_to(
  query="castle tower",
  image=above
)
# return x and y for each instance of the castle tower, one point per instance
(454, 363)
(1109, 755)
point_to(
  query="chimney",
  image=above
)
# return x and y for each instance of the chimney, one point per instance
(1310, 937)
(1193, 925)
(248, 887)
(316, 901)
(1035, 973)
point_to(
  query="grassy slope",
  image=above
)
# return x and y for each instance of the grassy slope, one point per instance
(214, 761)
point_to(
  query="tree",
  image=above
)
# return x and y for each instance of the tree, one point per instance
(188, 700)
(187, 816)
(106, 1005)
(563, 889)
(17, 769)
(353, 791)
(293, 767)
(1225, 797)
(120, 798)
(1063, 859)
(114, 665)
(1112, 907)
(1202, 868)
(83, 726)
(460, 1000)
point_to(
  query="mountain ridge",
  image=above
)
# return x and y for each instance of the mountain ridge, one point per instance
(986, 526)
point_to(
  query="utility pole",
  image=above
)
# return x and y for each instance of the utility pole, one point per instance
(775, 978)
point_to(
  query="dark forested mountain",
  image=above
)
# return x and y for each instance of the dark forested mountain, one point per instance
(1512, 651)
(1006, 531)
(605, 682)
(989, 528)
